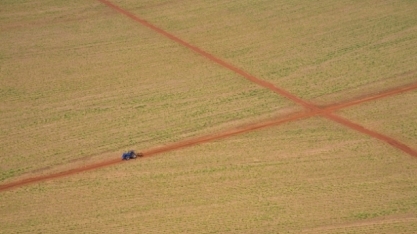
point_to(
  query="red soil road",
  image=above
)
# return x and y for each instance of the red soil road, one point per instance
(326, 112)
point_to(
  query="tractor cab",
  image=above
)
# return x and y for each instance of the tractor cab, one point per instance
(131, 155)
(128, 155)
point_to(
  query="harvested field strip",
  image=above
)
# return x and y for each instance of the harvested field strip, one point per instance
(326, 112)
(260, 82)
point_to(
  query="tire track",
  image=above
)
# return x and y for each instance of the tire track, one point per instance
(325, 112)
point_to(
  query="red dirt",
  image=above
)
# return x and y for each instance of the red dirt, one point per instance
(313, 110)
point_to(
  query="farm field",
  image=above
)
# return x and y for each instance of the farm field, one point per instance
(261, 83)
(312, 176)
(394, 116)
(321, 51)
(81, 86)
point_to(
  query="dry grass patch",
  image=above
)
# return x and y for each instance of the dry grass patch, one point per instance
(311, 176)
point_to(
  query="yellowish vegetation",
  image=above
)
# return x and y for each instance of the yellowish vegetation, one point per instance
(80, 82)
(394, 116)
(313, 176)
(319, 50)
(90, 81)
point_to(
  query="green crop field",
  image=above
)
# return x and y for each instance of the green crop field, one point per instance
(80, 83)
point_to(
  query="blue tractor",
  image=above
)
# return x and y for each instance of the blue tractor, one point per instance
(131, 155)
